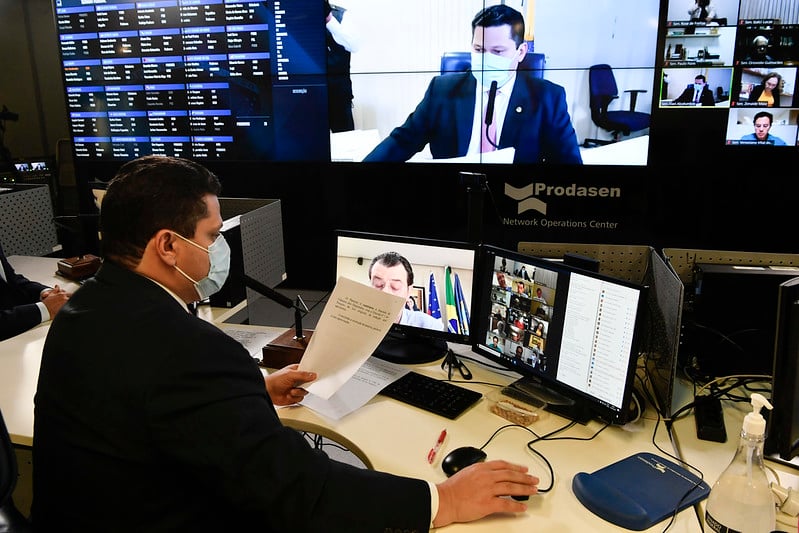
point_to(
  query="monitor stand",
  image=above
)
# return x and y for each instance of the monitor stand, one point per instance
(534, 392)
(410, 350)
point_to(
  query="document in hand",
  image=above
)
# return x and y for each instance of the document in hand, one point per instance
(354, 321)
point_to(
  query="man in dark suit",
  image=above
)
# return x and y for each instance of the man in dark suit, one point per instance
(148, 418)
(24, 303)
(698, 93)
(531, 114)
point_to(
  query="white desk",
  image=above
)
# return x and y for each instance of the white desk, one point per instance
(632, 151)
(394, 437)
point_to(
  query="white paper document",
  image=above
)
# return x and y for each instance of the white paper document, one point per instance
(369, 380)
(252, 338)
(354, 321)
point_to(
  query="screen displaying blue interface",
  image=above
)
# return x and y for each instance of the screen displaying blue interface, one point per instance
(210, 79)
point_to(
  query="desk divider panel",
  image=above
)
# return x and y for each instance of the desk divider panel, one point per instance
(253, 228)
(643, 265)
(26, 223)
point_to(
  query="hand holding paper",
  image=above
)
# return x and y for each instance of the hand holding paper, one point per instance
(354, 321)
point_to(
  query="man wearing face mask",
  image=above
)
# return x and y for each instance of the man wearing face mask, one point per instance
(148, 418)
(495, 106)
(698, 94)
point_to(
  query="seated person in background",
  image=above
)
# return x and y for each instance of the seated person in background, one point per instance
(24, 304)
(759, 50)
(392, 273)
(768, 91)
(531, 113)
(699, 93)
(165, 423)
(761, 135)
(702, 11)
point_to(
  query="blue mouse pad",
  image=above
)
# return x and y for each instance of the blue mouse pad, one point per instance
(638, 491)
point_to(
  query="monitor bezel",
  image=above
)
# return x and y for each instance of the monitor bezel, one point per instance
(585, 404)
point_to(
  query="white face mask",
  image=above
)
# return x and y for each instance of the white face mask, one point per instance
(219, 255)
(699, 86)
(488, 67)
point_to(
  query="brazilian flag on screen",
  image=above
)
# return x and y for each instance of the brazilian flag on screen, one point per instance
(453, 324)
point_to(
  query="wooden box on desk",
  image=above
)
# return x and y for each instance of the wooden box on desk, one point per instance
(286, 349)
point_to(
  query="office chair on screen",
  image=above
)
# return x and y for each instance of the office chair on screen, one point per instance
(462, 61)
(11, 519)
(603, 91)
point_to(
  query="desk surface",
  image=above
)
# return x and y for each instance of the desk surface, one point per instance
(394, 437)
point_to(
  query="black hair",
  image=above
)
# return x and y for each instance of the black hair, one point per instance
(149, 194)
(391, 259)
(760, 114)
(500, 15)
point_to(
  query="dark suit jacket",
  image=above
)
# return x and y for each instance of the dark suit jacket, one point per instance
(537, 123)
(18, 297)
(705, 98)
(148, 418)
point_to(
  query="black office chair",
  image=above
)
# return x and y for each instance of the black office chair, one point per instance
(11, 519)
(603, 90)
(462, 61)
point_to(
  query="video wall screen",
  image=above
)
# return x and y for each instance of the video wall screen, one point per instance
(362, 80)
(741, 57)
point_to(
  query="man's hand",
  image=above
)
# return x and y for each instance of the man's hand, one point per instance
(54, 299)
(283, 385)
(482, 489)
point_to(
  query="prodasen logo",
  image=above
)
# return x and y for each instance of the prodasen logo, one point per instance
(528, 196)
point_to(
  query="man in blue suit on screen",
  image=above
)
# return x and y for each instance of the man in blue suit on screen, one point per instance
(494, 106)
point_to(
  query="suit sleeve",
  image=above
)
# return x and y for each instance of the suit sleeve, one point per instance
(234, 439)
(18, 319)
(18, 297)
(559, 140)
(411, 137)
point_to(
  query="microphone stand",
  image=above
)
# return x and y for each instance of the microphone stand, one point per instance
(289, 347)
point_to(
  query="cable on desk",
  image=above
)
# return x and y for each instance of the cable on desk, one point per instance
(539, 454)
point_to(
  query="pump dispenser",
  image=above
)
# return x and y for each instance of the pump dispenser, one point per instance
(741, 500)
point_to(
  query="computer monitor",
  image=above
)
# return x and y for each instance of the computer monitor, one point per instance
(572, 334)
(783, 425)
(438, 289)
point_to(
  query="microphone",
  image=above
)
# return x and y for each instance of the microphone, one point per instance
(289, 347)
(489, 118)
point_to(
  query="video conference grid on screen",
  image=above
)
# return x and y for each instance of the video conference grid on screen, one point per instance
(572, 328)
(214, 80)
(746, 55)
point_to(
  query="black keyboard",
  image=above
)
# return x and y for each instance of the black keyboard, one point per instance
(439, 397)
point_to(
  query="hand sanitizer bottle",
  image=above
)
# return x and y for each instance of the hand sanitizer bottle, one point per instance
(741, 500)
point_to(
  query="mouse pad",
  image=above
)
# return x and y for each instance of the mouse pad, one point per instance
(638, 491)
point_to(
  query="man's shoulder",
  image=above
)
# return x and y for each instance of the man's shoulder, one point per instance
(532, 84)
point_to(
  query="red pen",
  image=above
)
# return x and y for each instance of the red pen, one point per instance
(431, 455)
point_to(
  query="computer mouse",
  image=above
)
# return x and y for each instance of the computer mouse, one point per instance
(460, 458)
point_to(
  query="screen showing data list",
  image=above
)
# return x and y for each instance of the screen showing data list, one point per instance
(206, 79)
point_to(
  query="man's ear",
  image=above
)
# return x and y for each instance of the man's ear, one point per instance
(164, 246)
(522, 51)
